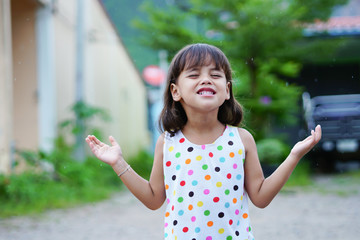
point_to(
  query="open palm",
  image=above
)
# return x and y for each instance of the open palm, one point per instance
(303, 147)
(107, 154)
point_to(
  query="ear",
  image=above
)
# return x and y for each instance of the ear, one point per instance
(228, 87)
(175, 92)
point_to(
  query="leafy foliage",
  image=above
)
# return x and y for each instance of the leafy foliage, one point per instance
(272, 151)
(261, 39)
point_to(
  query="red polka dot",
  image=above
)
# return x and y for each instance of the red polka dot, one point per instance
(182, 183)
(211, 154)
(231, 222)
(182, 140)
(216, 199)
(185, 229)
(168, 163)
(228, 176)
(173, 207)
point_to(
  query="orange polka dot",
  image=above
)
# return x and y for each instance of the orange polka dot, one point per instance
(167, 214)
(210, 223)
(232, 154)
(188, 161)
(234, 200)
(207, 177)
(245, 215)
(190, 207)
(166, 187)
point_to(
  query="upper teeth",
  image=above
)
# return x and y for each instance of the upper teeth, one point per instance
(205, 92)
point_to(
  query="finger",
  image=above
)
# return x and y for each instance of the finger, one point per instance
(97, 141)
(318, 133)
(113, 141)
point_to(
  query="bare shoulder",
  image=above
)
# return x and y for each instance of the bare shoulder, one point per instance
(247, 139)
(245, 135)
(159, 146)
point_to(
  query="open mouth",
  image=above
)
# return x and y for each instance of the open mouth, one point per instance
(206, 92)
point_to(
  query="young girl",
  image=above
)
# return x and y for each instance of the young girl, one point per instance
(204, 166)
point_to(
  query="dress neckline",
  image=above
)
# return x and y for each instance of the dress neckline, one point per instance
(203, 145)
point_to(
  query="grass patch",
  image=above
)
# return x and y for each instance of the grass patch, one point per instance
(301, 175)
(31, 193)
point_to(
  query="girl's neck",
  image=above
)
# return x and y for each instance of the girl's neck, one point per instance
(202, 131)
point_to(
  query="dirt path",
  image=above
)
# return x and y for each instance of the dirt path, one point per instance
(330, 210)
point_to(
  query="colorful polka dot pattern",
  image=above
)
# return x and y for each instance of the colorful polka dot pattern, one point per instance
(205, 197)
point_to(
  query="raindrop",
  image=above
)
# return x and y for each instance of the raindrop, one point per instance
(252, 59)
(287, 84)
(352, 76)
(315, 80)
(246, 62)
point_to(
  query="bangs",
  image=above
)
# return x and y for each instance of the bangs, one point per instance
(199, 55)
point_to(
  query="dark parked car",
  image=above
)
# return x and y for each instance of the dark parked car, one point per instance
(339, 117)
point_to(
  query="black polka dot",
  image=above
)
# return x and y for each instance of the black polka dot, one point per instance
(230, 143)
(173, 177)
(237, 233)
(217, 169)
(190, 149)
(221, 215)
(236, 187)
(191, 194)
(175, 222)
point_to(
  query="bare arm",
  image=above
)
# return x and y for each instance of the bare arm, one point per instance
(260, 190)
(151, 193)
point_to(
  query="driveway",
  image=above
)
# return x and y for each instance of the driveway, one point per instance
(329, 210)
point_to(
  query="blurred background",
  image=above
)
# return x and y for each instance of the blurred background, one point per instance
(70, 68)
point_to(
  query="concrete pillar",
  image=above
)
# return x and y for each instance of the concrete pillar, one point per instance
(6, 103)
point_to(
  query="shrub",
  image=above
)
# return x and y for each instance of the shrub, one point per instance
(272, 151)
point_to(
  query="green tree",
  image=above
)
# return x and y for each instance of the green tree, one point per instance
(261, 39)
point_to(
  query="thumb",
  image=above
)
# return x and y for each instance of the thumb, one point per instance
(113, 141)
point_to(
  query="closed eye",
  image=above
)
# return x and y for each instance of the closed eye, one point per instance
(193, 76)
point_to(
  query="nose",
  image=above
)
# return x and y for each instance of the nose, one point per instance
(205, 79)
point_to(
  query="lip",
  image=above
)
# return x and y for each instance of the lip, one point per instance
(206, 92)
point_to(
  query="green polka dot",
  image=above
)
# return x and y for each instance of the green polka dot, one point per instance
(180, 199)
(206, 212)
(177, 154)
(220, 148)
(229, 238)
(227, 191)
(205, 167)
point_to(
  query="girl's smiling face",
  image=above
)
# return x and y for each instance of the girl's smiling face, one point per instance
(201, 88)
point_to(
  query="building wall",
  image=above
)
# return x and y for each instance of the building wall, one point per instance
(25, 108)
(65, 54)
(111, 80)
(114, 83)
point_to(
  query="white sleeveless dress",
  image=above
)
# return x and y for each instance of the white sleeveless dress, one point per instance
(205, 195)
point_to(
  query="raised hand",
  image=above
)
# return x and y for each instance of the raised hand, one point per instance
(108, 154)
(303, 147)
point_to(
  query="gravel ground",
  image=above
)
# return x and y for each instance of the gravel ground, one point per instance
(329, 210)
